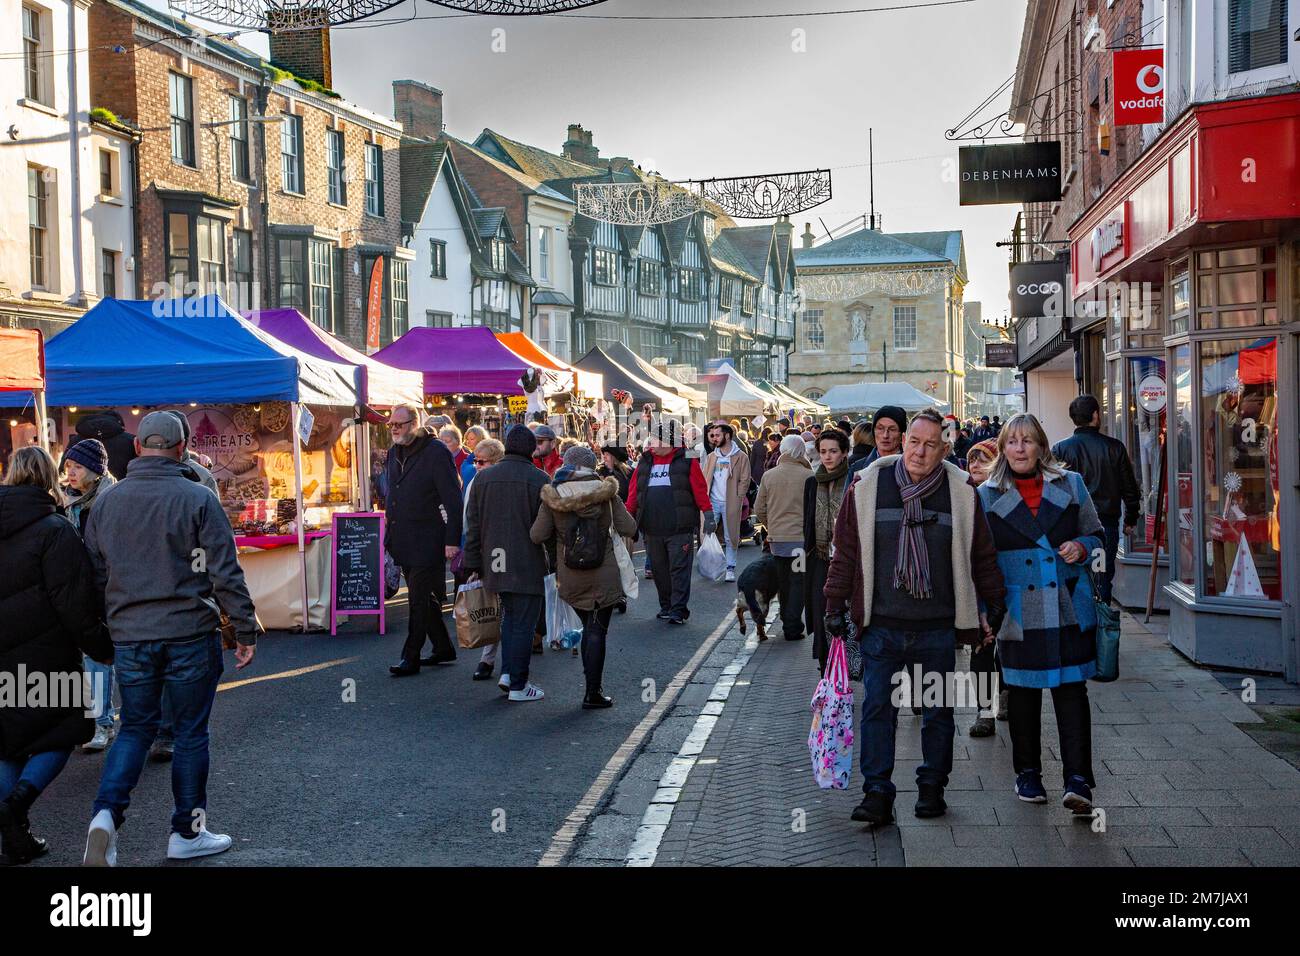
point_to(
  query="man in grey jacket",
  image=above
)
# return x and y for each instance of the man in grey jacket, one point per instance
(164, 560)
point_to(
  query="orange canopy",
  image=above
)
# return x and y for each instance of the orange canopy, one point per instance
(589, 383)
(22, 360)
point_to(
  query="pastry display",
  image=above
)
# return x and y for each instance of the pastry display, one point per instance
(246, 418)
(275, 416)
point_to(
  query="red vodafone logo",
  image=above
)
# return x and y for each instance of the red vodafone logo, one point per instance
(1139, 86)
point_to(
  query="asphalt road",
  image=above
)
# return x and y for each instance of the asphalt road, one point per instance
(415, 771)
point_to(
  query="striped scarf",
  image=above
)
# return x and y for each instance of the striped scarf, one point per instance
(912, 569)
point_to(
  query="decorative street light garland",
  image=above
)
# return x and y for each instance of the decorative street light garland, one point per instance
(516, 8)
(635, 204)
(770, 195)
(845, 287)
(287, 16)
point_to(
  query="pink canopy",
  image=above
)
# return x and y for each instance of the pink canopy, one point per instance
(468, 360)
(377, 384)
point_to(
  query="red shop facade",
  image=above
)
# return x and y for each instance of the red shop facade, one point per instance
(1186, 285)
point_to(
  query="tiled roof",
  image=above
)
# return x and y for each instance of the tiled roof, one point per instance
(530, 183)
(224, 47)
(754, 243)
(488, 221)
(421, 160)
(868, 247)
(538, 163)
(729, 259)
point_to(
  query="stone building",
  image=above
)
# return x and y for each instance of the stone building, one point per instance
(881, 307)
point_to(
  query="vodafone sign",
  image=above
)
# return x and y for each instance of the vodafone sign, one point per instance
(1139, 86)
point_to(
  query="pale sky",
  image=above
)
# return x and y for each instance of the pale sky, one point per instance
(701, 99)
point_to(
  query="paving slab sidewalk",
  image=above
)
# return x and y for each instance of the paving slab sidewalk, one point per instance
(727, 780)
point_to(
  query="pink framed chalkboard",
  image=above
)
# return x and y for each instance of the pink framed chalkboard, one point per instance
(356, 566)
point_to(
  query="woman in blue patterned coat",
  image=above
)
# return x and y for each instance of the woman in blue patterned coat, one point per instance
(1045, 529)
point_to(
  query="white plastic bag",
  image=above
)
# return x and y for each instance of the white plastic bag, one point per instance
(563, 626)
(711, 561)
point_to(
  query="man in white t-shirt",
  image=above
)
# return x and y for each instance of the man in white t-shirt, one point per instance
(726, 471)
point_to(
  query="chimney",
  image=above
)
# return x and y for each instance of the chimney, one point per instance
(807, 236)
(418, 107)
(621, 164)
(305, 52)
(578, 146)
(784, 227)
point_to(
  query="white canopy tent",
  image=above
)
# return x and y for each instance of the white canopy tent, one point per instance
(869, 396)
(730, 393)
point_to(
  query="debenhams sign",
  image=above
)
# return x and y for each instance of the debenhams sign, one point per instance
(1012, 173)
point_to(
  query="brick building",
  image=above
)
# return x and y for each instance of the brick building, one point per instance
(255, 180)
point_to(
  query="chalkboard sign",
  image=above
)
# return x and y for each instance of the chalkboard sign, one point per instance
(357, 566)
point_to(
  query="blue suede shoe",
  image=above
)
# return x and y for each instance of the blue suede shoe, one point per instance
(1077, 797)
(1029, 787)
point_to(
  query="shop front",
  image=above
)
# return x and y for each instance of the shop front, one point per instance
(1193, 260)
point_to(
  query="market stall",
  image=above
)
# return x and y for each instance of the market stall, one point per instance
(791, 399)
(471, 376)
(379, 386)
(590, 384)
(246, 396)
(624, 356)
(619, 378)
(22, 369)
(869, 396)
(731, 394)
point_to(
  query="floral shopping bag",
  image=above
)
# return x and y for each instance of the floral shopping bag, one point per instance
(830, 741)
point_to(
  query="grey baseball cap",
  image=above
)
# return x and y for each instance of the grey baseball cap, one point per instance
(543, 432)
(160, 430)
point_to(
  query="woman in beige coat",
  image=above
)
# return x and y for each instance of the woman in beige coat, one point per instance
(576, 493)
(779, 509)
(726, 476)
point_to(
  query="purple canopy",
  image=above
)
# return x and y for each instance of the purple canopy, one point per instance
(468, 360)
(377, 383)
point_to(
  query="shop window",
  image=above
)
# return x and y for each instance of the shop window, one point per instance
(293, 274)
(1236, 288)
(1186, 452)
(1145, 421)
(1180, 293)
(196, 252)
(1241, 522)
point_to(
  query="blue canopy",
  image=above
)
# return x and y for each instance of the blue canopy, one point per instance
(170, 351)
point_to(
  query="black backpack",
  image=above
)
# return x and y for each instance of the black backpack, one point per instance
(584, 545)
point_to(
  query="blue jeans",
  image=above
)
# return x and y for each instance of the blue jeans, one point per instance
(39, 770)
(1112, 550)
(886, 651)
(101, 682)
(188, 670)
(519, 614)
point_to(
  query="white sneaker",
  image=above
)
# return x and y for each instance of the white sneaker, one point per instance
(731, 574)
(530, 692)
(103, 737)
(504, 683)
(205, 844)
(101, 841)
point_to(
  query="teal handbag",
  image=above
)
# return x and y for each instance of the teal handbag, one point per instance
(1107, 636)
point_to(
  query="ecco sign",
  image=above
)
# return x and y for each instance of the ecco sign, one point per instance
(1032, 284)
(1139, 86)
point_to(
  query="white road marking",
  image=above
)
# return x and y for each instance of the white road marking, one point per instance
(562, 841)
(645, 845)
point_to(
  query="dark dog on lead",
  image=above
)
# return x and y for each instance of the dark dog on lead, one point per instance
(757, 586)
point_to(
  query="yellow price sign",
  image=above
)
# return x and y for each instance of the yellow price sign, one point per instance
(518, 404)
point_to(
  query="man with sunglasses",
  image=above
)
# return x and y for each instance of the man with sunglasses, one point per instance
(424, 523)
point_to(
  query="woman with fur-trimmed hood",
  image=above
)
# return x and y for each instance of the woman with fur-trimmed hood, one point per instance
(577, 501)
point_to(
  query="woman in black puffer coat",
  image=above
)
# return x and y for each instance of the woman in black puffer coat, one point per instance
(51, 617)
